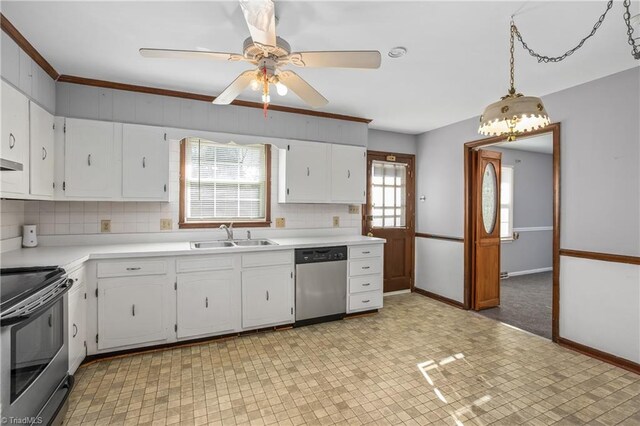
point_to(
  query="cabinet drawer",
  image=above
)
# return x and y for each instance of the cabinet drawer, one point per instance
(365, 267)
(267, 259)
(365, 283)
(358, 252)
(365, 301)
(132, 268)
(205, 263)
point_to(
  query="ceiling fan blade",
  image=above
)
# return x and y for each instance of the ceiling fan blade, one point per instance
(337, 59)
(234, 89)
(261, 20)
(189, 54)
(303, 89)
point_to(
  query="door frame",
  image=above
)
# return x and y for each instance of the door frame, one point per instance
(410, 159)
(469, 238)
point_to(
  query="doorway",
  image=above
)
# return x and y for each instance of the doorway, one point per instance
(512, 234)
(390, 214)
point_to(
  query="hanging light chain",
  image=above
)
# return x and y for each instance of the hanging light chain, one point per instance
(546, 59)
(512, 88)
(635, 49)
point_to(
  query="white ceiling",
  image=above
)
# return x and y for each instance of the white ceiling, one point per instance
(542, 144)
(457, 61)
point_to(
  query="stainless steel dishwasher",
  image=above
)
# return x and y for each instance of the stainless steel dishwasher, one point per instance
(321, 284)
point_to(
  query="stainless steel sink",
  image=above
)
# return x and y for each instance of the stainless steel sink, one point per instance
(212, 244)
(235, 243)
(250, 243)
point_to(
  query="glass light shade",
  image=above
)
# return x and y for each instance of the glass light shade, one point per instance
(513, 115)
(266, 99)
(281, 89)
(255, 84)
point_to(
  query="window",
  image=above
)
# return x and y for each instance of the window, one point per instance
(223, 183)
(388, 203)
(506, 203)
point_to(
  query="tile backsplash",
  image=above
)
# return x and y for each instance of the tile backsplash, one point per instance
(84, 217)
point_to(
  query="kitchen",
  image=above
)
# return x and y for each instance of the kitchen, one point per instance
(171, 257)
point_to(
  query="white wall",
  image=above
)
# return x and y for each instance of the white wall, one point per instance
(381, 140)
(600, 201)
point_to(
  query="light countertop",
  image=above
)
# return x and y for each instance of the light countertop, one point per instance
(70, 257)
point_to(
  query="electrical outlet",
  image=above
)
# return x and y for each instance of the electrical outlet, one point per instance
(354, 209)
(105, 225)
(166, 224)
(280, 222)
(336, 221)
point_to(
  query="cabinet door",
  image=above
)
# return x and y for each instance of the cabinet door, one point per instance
(207, 304)
(307, 172)
(267, 296)
(145, 162)
(15, 139)
(26, 73)
(348, 174)
(131, 310)
(88, 163)
(77, 322)
(41, 135)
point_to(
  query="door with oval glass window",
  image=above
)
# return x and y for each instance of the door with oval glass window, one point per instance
(486, 250)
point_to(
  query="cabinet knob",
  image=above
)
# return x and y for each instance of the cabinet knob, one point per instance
(144, 162)
(133, 310)
(12, 141)
(308, 171)
(366, 301)
(44, 153)
(89, 160)
(267, 294)
(206, 302)
(348, 174)
(137, 268)
(75, 330)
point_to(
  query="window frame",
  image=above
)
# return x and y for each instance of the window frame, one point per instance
(182, 222)
(510, 205)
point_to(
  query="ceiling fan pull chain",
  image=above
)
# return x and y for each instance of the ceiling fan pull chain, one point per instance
(635, 49)
(547, 59)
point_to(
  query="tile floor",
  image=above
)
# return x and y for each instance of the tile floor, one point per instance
(416, 362)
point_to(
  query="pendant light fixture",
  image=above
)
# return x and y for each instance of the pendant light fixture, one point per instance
(514, 113)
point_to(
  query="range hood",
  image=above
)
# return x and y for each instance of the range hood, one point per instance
(8, 165)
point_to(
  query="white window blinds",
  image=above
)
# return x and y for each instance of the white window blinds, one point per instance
(224, 182)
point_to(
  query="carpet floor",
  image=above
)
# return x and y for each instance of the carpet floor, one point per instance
(525, 302)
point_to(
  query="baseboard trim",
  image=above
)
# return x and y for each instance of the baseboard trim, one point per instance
(602, 356)
(530, 271)
(393, 293)
(438, 298)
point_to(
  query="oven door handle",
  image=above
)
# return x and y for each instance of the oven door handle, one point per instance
(65, 285)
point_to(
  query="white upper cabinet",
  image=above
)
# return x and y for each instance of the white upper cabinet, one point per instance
(348, 174)
(304, 173)
(89, 166)
(41, 148)
(25, 80)
(145, 162)
(15, 140)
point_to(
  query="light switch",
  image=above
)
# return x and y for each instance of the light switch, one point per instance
(336, 221)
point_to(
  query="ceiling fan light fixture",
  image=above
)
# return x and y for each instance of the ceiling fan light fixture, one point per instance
(281, 89)
(397, 52)
(255, 85)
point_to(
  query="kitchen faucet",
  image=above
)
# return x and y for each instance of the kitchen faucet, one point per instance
(229, 230)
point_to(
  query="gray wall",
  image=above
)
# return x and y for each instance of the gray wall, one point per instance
(532, 210)
(600, 206)
(96, 103)
(382, 140)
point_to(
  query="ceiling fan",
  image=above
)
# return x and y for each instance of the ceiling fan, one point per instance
(269, 54)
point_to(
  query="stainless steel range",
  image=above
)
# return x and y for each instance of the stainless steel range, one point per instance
(33, 334)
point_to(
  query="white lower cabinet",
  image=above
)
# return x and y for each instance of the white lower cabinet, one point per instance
(366, 278)
(77, 321)
(207, 303)
(267, 296)
(131, 310)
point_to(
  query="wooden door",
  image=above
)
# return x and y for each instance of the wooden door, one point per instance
(486, 223)
(145, 162)
(390, 214)
(348, 174)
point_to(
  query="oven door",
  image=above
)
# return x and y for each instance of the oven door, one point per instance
(34, 357)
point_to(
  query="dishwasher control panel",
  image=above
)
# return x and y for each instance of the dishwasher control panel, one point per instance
(321, 254)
